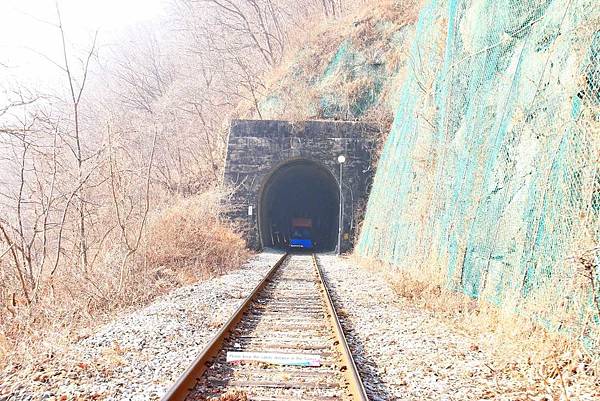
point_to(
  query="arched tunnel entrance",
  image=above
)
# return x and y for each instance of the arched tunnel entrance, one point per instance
(301, 190)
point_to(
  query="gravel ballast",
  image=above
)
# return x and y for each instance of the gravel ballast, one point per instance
(404, 353)
(139, 355)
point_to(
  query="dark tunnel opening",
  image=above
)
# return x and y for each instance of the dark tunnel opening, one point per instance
(300, 191)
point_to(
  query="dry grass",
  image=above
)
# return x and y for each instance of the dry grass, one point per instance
(185, 241)
(299, 82)
(190, 239)
(231, 396)
(549, 364)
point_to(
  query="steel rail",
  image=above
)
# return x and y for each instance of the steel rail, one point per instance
(190, 378)
(357, 388)
(187, 381)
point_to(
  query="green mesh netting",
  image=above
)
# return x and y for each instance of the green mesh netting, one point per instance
(349, 65)
(491, 173)
(351, 84)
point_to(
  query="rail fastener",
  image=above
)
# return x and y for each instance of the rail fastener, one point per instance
(187, 381)
(356, 386)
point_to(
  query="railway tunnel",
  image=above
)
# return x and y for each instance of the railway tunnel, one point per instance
(283, 170)
(299, 189)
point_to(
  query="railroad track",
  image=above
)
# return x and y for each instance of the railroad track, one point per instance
(285, 342)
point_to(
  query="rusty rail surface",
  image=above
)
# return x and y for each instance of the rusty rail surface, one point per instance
(351, 370)
(289, 312)
(189, 378)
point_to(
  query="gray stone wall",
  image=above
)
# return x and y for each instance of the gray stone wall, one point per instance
(256, 148)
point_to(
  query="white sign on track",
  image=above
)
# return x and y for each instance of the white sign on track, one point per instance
(275, 358)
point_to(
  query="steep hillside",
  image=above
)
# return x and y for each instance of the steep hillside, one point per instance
(350, 69)
(490, 177)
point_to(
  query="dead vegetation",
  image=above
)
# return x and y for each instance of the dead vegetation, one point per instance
(190, 239)
(186, 241)
(108, 194)
(347, 71)
(549, 364)
(231, 396)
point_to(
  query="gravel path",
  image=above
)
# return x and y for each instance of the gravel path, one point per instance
(404, 353)
(139, 355)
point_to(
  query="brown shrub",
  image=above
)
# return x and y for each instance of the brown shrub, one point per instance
(190, 239)
(184, 241)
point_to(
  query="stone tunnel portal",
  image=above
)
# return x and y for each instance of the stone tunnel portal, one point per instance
(299, 189)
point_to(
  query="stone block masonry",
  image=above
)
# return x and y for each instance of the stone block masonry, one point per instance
(259, 150)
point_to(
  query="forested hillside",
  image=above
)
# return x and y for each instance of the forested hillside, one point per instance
(111, 178)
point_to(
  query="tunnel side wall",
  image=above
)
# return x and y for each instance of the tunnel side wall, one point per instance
(256, 148)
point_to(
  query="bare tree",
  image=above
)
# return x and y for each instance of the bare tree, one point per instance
(76, 198)
(76, 92)
(131, 236)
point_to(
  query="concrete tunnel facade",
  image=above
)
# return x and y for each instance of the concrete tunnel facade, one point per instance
(279, 170)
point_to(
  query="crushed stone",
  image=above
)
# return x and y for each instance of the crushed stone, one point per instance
(139, 355)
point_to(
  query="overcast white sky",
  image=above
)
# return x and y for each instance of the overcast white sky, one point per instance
(26, 32)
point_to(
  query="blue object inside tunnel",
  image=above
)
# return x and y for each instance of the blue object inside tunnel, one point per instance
(299, 190)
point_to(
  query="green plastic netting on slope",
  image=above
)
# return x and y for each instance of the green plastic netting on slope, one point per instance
(347, 83)
(490, 176)
(353, 66)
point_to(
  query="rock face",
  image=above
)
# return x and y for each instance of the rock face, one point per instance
(490, 174)
(258, 150)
